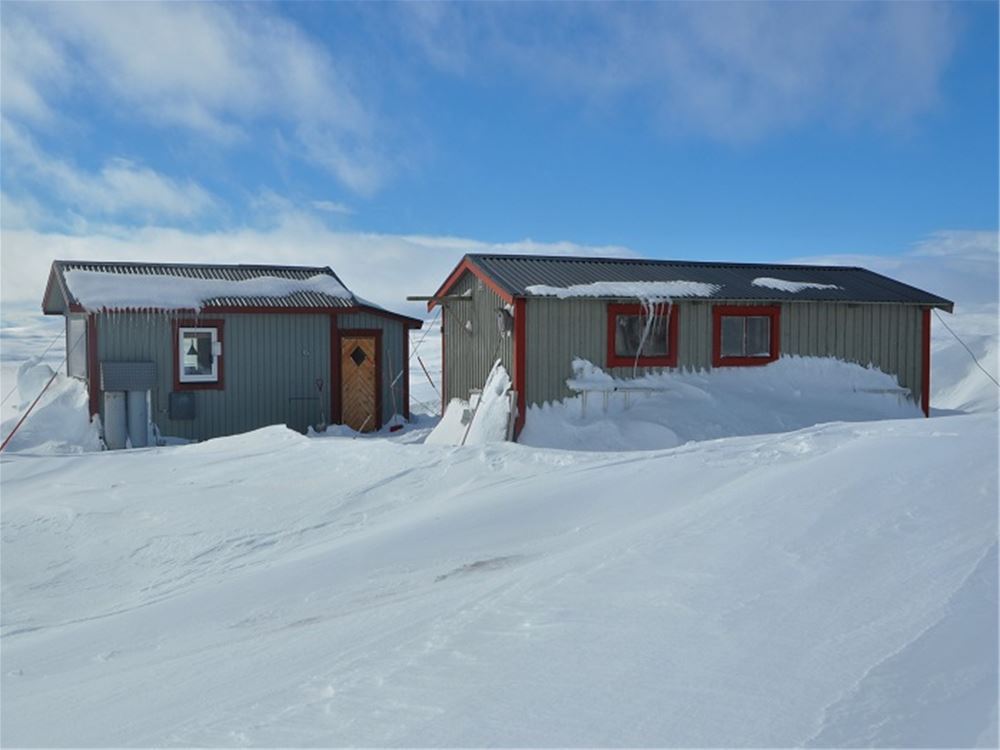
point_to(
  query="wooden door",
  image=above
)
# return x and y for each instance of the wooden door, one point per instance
(358, 372)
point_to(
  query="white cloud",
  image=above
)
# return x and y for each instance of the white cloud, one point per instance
(381, 267)
(728, 70)
(213, 69)
(120, 188)
(29, 61)
(960, 265)
(332, 207)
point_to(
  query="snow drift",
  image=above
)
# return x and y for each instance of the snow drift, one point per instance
(483, 420)
(60, 422)
(835, 585)
(789, 394)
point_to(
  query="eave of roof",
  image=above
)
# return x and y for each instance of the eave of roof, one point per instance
(510, 275)
(298, 302)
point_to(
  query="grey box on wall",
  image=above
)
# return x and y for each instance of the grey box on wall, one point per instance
(128, 376)
(181, 405)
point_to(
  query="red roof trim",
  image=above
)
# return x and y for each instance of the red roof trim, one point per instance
(466, 264)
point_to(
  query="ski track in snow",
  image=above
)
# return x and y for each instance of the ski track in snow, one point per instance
(270, 589)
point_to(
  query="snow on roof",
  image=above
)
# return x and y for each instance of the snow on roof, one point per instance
(646, 290)
(783, 285)
(96, 290)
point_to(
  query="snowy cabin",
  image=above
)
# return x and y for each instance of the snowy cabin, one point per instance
(629, 316)
(197, 351)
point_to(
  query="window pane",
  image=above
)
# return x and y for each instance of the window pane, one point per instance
(197, 347)
(732, 336)
(76, 347)
(758, 336)
(628, 335)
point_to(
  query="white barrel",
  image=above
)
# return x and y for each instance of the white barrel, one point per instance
(114, 419)
(138, 419)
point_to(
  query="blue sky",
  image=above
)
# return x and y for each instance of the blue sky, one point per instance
(291, 132)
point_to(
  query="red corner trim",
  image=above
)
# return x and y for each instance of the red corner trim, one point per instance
(218, 324)
(520, 361)
(467, 265)
(925, 363)
(614, 360)
(93, 367)
(771, 311)
(375, 333)
(336, 384)
(406, 375)
(444, 366)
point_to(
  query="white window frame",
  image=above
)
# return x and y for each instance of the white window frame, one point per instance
(212, 377)
(76, 346)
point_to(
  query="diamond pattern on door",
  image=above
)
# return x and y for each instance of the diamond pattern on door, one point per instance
(357, 391)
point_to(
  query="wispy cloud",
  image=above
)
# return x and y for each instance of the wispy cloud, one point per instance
(211, 69)
(120, 188)
(724, 70)
(333, 207)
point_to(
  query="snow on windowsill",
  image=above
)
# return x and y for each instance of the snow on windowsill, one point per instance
(96, 290)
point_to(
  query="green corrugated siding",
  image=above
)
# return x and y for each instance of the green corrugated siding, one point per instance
(469, 355)
(270, 367)
(883, 335)
(561, 330)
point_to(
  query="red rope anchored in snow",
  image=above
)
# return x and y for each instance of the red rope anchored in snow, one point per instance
(25, 415)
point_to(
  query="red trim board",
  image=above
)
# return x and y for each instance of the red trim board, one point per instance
(444, 365)
(467, 265)
(925, 363)
(520, 361)
(406, 375)
(93, 367)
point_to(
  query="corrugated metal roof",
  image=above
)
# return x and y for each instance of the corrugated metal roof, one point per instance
(217, 272)
(515, 273)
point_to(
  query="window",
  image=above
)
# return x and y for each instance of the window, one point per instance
(630, 327)
(198, 360)
(76, 346)
(745, 335)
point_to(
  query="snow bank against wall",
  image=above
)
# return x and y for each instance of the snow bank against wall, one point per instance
(59, 423)
(786, 395)
(477, 423)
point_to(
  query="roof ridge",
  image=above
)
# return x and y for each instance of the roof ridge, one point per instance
(659, 261)
(172, 264)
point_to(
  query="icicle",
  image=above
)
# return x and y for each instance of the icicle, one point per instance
(652, 308)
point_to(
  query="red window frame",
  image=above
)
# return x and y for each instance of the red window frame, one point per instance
(614, 360)
(216, 385)
(745, 311)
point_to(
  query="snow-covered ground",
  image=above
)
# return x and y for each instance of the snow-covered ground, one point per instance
(779, 581)
(834, 585)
